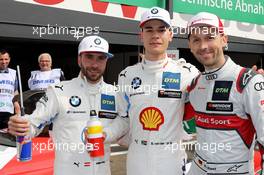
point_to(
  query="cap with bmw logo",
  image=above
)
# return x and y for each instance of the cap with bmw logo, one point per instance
(94, 44)
(155, 13)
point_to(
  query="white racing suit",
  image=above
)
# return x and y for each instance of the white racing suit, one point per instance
(152, 96)
(68, 106)
(229, 108)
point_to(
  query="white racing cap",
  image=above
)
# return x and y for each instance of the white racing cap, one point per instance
(206, 19)
(94, 44)
(155, 13)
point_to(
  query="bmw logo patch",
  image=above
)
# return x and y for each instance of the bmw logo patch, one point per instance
(136, 82)
(75, 101)
(154, 11)
(97, 41)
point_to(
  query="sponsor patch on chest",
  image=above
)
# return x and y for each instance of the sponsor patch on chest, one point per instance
(108, 102)
(226, 107)
(171, 80)
(222, 90)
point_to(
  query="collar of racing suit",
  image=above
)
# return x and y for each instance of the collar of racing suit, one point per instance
(92, 88)
(154, 66)
(219, 70)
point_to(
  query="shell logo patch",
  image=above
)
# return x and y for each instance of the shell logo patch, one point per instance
(49, 2)
(151, 118)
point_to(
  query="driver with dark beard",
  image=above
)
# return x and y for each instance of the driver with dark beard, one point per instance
(68, 105)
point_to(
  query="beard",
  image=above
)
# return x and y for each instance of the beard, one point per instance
(93, 78)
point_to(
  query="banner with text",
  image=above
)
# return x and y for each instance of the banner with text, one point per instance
(251, 11)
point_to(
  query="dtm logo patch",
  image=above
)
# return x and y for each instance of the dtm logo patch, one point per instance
(226, 107)
(108, 102)
(151, 118)
(222, 90)
(75, 101)
(171, 80)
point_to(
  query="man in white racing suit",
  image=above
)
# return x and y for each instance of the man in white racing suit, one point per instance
(228, 102)
(68, 106)
(151, 95)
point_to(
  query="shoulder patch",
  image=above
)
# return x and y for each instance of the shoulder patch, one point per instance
(193, 83)
(243, 78)
(188, 67)
(123, 74)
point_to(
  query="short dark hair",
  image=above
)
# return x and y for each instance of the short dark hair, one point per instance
(3, 51)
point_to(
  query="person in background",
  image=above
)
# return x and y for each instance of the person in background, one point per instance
(8, 88)
(46, 76)
(41, 79)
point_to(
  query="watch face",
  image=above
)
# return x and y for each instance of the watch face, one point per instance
(75, 101)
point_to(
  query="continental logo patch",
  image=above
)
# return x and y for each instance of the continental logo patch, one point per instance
(151, 118)
(108, 102)
(226, 107)
(222, 90)
(171, 80)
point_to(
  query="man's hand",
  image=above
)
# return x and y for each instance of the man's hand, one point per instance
(260, 71)
(17, 125)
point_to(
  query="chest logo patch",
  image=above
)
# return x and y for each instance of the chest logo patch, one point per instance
(108, 102)
(222, 90)
(136, 82)
(75, 101)
(151, 118)
(171, 80)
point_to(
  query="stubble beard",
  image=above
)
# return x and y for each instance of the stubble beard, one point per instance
(90, 78)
